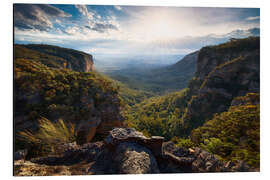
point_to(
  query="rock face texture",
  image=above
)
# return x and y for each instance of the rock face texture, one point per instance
(106, 116)
(212, 56)
(135, 159)
(58, 57)
(126, 151)
(224, 72)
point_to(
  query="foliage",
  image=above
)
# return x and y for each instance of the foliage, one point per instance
(183, 142)
(233, 46)
(234, 134)
(159, 115)
(44, 88)
(129, 96)
(49, 136)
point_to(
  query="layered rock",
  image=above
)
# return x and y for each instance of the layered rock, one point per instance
(58, 57)
(224, 72)
(126, 151)
(212, 56)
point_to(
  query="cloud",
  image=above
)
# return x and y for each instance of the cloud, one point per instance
(104, 27)
(95, 22)
(150, 23)
(36, 16)
(193, 43)
(72, 30)
(134, 29)
(83, 9)
(119, 8)
(253, 18)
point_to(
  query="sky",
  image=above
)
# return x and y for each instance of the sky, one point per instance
(126, 30)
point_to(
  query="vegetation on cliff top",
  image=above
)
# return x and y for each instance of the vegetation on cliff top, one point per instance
(56, 57)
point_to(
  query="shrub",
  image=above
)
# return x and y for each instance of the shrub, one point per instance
(49, 136)
(182, 142)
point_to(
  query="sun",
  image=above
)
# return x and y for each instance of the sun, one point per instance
(160, 26)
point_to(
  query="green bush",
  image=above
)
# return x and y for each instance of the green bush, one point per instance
(182, 142)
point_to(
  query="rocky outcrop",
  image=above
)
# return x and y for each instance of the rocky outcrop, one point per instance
(122, 135)
(87, 100)
(72, 59)
(126, 151)
(105, 116)
(57, 57)
(225, 71)
(211, 57)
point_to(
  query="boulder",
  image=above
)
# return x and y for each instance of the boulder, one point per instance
(206, 162)
(133, 158)
(20, 154)
(120, 135)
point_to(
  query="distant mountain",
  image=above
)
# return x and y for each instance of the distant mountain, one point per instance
(57, 57)
(108, 63)
(159, 80)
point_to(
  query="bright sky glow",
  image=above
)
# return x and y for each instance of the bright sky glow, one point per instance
(132, 29)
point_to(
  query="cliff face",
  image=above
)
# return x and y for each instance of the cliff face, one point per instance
(223, 72)
(212, 56)
(57, 57)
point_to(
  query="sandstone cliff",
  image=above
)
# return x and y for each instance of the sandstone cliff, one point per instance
(57, 57)
(223, 72)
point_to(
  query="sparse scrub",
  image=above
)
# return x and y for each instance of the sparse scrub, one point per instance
(49, 136)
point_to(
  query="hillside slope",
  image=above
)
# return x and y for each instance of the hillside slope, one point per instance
(234, 134)
(159, 116)
(159, 80)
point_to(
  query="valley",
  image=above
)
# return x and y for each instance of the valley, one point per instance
(208, 99)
